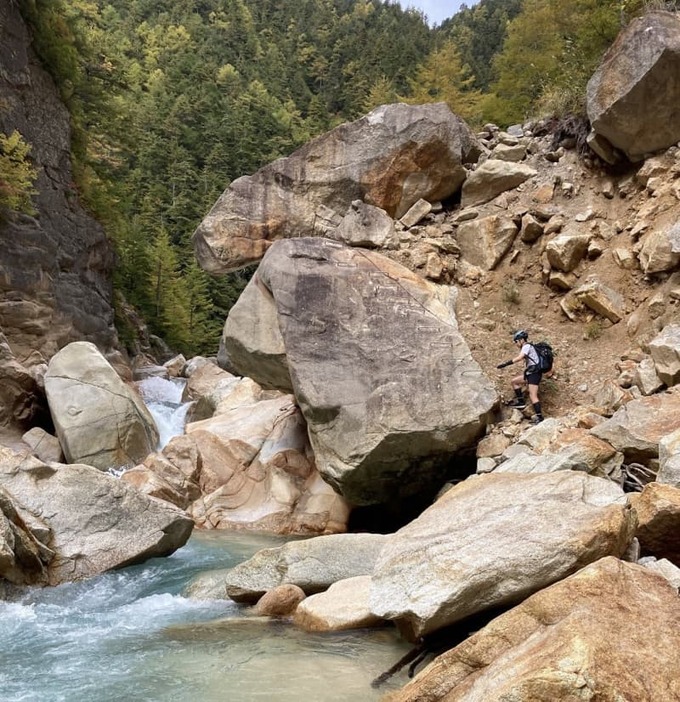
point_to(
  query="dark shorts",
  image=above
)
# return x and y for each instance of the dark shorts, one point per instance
(533, 378)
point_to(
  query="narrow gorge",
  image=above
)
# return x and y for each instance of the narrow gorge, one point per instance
(340, 502)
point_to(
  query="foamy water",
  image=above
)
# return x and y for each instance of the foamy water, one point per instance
(164, 400)
(131, 635)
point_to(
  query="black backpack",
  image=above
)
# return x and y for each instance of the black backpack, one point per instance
(545, 356)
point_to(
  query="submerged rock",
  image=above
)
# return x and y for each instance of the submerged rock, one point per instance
(345, 605)
(313, 565)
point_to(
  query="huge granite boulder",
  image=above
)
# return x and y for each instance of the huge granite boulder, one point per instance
(251, 342)
(633, 99)
(99, 420)
(56, 267)
(392, 157)
(92, 522)
(609, 632)
(493, 540)
(384, 378)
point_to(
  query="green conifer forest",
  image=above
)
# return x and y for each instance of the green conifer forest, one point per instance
(171, 101)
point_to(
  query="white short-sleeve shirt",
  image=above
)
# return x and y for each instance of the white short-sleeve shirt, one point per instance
(530, 354)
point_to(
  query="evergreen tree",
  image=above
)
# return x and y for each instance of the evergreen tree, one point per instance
(381, 93)
(204, 328)
(443, 78)
(170, 316)
(550, 52)
(478, 33)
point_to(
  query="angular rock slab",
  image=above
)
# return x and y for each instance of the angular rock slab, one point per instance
(492, 178)
(99, 420)
(566, 250)
(609, 632)
(636, 428)
(484, 242)
(343, 606)
(314, 565)
(390, 158)
(23, 557)
(601, 299)
(669, 459)
(493, 540)
(97, 522)
(661, 250)
(633, 99)
(384, 378)
(665, 351)
(172, 474)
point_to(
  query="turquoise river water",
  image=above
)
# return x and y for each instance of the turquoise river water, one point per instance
(130, 635)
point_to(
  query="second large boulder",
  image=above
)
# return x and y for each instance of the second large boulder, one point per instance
(99, 420)
(633, 99)
(384, 378)
(492, 541)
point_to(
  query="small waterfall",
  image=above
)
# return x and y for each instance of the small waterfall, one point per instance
(163, 398)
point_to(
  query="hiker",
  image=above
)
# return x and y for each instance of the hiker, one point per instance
(531, 377)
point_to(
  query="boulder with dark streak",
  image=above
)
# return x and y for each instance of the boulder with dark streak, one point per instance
(385, 380)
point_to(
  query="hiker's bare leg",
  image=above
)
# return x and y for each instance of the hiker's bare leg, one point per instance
(533, 393)
(517, 382)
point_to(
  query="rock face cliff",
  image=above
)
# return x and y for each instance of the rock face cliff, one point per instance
(55, 267)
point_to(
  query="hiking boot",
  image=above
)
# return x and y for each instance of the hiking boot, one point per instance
(517, 403)
(537, 419)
